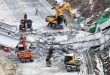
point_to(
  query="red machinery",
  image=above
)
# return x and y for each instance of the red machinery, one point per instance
(25, 23)
(23, 53)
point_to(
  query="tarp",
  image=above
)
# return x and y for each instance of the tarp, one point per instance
(104, 17)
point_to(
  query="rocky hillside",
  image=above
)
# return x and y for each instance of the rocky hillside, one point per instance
(88, 8)
(93, 8)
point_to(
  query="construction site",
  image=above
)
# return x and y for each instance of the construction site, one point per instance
(54, 37)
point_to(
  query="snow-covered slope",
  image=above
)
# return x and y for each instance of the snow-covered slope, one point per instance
(4, 40)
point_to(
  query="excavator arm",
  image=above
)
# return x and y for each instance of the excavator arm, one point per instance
(24, 41)
(59, 11)
(63, 8)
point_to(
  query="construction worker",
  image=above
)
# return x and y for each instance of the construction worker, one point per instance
(36, 12)
(50, 52)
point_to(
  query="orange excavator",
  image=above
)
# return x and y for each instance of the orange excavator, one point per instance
(55, 21)
(23, 53)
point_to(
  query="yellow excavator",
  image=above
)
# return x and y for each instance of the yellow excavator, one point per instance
(55, 21)
(72, 62)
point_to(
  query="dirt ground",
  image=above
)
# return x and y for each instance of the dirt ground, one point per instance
(6, 66)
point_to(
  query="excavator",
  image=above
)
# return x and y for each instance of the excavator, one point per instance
(23, 53)
(72, 62)
(55, 21)
(25, 24)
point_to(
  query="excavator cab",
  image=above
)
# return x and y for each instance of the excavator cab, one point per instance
(55, 24)
(20, 47)
(23, 53)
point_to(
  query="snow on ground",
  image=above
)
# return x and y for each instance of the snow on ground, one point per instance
(39, 68)
(38, 21)
(99, 66)
(6, 66)
(4, 16)
(61, 38)
(14, 16)
(4, 40)
(81, 34)
(30, 38)
(16, 10)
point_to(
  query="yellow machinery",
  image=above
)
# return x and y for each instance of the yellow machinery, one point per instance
(72, 62)
(55, 21)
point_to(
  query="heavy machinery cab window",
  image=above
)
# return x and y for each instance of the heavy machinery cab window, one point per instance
(20, 48)
(67, 58)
